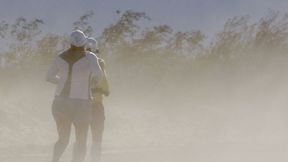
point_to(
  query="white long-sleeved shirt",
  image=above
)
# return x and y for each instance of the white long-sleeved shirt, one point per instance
(82, 71)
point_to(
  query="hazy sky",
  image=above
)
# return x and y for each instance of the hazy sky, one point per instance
(206, 15)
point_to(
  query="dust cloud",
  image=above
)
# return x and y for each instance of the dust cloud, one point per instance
(226, 103)
(213, 115)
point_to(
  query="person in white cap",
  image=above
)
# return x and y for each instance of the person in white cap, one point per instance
(72, 71)
(98, 117)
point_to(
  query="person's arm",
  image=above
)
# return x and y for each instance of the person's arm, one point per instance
(104, 86)
(52, 76)
(96, 72)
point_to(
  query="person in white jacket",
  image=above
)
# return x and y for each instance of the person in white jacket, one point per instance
(97, 93)
(72, 71)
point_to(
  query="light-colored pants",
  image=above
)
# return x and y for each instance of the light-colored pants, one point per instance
(97, 128)
(67, 111)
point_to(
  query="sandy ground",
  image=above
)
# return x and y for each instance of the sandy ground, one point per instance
(182, 130)
(209, 152)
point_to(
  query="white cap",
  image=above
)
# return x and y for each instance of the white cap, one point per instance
(92, 44)
(78, 38)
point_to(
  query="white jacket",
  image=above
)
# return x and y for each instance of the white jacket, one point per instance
(82, 71)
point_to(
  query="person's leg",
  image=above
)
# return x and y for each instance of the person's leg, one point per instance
(81, 131)
(97, 127)
(81, 124)
(63, 128)
(63, 124)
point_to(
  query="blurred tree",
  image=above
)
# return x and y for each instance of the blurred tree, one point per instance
(187, 43)
(235, 37)
(272, 31)
(153, 39)
(20, 37)
(47, 47)
(4, 26)
(124, 29)
(83, 23)
(25, 31)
